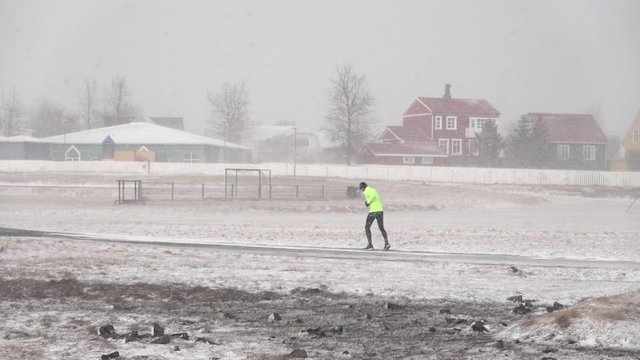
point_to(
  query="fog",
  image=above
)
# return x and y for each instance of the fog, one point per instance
(522, 56)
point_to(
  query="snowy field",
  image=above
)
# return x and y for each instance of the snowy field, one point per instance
(56, 293)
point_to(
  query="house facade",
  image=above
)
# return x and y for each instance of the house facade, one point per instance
(434, 131)
(632, 145)
(576, 141)
(142, 141)
(23, 148)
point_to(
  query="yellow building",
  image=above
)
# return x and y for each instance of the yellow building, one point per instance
(632, 145)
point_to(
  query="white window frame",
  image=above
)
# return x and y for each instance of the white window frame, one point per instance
(438, 122)
(636, 136)
(427, 160)
(478, 123)
(408, 160)
(454, 120)
(456, 143)
(72, 158)
(563, 152)
(143, 149)
(589, 152)
(190, 158)
(444, 143)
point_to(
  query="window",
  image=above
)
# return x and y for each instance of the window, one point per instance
(563, 152)
(636, 136)
(443, 144)
(477, 124)
(589, 152)
(474, 148)
(438, 122)
(72, 154)
(452, 122)
(427, 160)
(191, 157)
(408, 160)
(143, 149)
(456, 147)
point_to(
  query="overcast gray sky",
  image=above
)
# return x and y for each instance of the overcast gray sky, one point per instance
(572, 56)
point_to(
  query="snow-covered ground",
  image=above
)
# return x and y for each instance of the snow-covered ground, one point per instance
(552, 223)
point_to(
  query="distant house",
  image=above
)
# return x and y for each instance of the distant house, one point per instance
(23, 148)
(577, 141)
(144, 141)
(632, 145)
(278, 143)
(434, 131)
(172, 122)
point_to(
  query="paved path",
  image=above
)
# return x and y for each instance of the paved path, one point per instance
(337, 253)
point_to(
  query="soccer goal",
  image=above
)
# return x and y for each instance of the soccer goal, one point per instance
(247, 183)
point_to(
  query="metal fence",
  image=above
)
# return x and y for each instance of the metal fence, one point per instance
(154, 191)
(174, 191)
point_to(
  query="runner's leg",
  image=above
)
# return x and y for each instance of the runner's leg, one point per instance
(367, 228)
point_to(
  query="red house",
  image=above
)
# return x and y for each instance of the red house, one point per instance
(434, 131)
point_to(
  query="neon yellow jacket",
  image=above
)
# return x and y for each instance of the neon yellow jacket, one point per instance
(372, 198)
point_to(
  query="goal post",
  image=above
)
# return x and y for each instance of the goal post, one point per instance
(232, 184)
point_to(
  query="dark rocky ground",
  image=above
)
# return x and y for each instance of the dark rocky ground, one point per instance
(305, 322)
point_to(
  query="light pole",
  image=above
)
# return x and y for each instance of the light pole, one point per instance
(295, 152)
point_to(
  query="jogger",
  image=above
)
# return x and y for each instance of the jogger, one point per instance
(374, 203)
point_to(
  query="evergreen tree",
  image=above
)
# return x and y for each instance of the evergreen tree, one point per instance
(490, 144)
(528, 146)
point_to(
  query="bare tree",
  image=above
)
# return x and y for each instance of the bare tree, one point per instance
(347, 120)
(230, 111)
(89, 101)
(11, 115)
(49, 119)
(118, 107)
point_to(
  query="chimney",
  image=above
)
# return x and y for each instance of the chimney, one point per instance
(447, 91)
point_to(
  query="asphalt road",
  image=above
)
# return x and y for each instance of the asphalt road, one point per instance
(337, 253)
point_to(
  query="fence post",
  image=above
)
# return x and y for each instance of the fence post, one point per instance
(171, 191)
(297, 190)
(322, 192)
(202, 191)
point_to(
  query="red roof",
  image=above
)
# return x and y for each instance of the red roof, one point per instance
(409, 135)
(571, 128)
(424, 149)
(479, 107)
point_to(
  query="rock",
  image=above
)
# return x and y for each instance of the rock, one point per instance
(113, 355)
(183, 336)
(445, 311)
(500, 344)
(514, 269)
(298, 354)
(478, 326)
(273, 317)
(335, 330)
(549, 350)
(391, 306)
(549, 358)
(176, 348)
(432, 329)
(164, 339)
(556, 306)
(367, 316)
(313, 332)
(299, 321)
(516, 298)
(107, 331)
(206, 341)
(157, 330)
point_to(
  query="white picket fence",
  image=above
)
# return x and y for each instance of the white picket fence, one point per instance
(360, 172)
